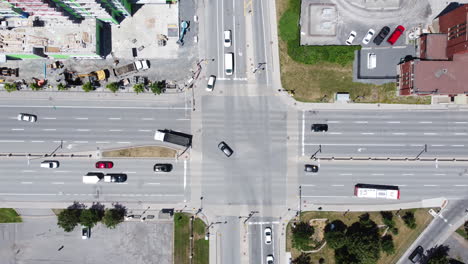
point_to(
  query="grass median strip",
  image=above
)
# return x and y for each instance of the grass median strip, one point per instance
(141, 152)
(8, 215)
(182, 240)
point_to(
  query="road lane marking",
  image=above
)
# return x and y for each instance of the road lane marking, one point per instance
(81, 118)
(28, 171)
(303, 131)
(361, 122)
(335, 133)
(460, 134)
(147, 118)
(308, 185)
(337, 185)
(430, 185)
(61, 171)
(378, 174)
(144, 130)
(80, 141)
(264, 223)
(185, 174)
(153, 183)
(440, 174)
(101, 107)
(425, 122)
(115, 130)
(114, 118)
(331, 122)
(26, 182)
(37, 141)
(49, 129)
(183, 119)
(82, 130)
(49, 118)
(17, 129)
(399, 133)
(393, 122)
(407, 174)
(460, 185)
(416, 145)
(437, 145)
(464, 122)
(58, 183)
(368, 145)
(124, 142)
(324, 196)
(346, 174)
(102, 142)
(430, 134)
(60, 141)
(11, 141)
(458, 145)
(368, 133)
(130, 172)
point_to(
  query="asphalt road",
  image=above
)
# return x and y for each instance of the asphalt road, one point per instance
(24, 180)
(259, 250)
(85, 126)
(335, 180)
(385, 133)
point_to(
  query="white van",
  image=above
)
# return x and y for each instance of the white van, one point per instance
(371, 61)
(229, 63)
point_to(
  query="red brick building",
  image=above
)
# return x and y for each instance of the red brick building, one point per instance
(442, 66)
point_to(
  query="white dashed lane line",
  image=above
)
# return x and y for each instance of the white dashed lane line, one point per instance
(114, 118)
(17, 129)
(115, 130)
(83, 130)
(81, 118)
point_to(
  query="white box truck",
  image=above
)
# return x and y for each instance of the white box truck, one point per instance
(93, 177)
(229, 63)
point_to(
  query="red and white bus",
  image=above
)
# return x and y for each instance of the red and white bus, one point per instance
(376, 191)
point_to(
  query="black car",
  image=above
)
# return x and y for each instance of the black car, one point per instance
(320, 127)
(115, 177)
(310, 168)
(225, 149)
(382, 35)
(162, 167)
(417, 255)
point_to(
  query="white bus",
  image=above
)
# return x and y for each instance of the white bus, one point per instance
(376, 191)
(229, 63)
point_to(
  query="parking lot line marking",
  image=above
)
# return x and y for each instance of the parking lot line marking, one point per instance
(37, 141)
(144, 130)
(49, 129)
(82, 130)
(115, 130)
(114, 118)
(303, 131)
(185, 174)
(49, 118)
(26, 182)
(17, 129)
(58, 183)
(81, 118)
(80, 141)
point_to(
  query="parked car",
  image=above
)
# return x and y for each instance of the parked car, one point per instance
(382, 35)
(417, 255)
(270, 259)
(211, 83)
(104, 165)
(225, 149)
(85, 232)
(50, 164)
(27, 117)
(311, 168)
(368, 36)
(268, 235)
(396, 34)
(227, 38)
(162, 167)
(320, 127)
(351, 38)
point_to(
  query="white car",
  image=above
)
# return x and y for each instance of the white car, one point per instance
(351, 38)
(50, 164)
(268, 235)
(368, 36)
(27, 117)
(227, 38)
(211, 83)
(270, 259)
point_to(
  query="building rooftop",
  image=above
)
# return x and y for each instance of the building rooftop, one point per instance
(435, 47)
(441, 77)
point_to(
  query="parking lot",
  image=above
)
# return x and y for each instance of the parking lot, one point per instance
(40, 240)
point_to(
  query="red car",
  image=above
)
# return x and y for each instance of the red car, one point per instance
(396, 34)
(104, 165)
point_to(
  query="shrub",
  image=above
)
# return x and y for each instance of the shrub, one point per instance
(139, 88)
(62, 87)
(10, 87)
(409, 220)
(87, 87)
(113, 87)
(35, 87)
(387, 245)
(301, 235)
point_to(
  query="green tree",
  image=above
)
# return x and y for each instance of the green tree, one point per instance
(439, 255)
(466, 230)
(303, 258)
(34, 86)
(113, 87)
(139, 88)
(363, 241)
(113, 217)
(10, 87)
(62, 87)
(90, 217)
(343, 256)
(301, 235)
(156, 87)
(387, 245)
(387, 218)
(409, 220)
(335, 234)
(68, 219)
(87, 87)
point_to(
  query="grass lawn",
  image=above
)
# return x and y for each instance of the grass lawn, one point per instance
(462, 230)
(316, 73)
(8, 215)
(402, 241)
(201, 248)
(142, 152)
(181, 238)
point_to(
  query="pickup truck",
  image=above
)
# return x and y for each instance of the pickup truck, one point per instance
(132, 67)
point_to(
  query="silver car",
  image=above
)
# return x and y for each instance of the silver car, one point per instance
(27, 117)
(225, 149)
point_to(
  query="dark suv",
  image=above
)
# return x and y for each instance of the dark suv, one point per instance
(320, 127)
(417, 255)
(382, 35)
